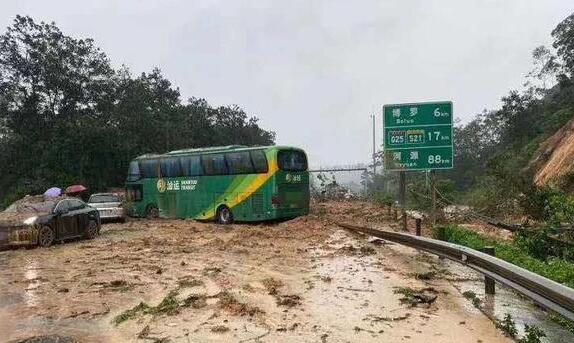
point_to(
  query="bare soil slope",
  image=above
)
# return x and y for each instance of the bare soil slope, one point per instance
(555, 156)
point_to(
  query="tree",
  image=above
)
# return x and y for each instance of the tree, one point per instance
(66, 116)
(563, 36)
(546, 67)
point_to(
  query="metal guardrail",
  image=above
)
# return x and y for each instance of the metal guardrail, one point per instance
(541, 290)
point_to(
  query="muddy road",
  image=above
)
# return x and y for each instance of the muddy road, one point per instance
(304, 280)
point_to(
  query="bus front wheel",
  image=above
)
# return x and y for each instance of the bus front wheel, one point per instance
(224, 215)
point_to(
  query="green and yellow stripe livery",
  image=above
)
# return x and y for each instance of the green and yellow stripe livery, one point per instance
(222, 183)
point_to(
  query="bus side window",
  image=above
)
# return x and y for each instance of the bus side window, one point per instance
(191, 166)
(259, 161)
(170, 167)
(214, 164)
(239, 163)
(149, 168)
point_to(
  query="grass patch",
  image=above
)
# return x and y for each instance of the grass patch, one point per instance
(562, 321)
(131, 313)
(425, 275)
(168, 306)
(219, 329)
(533, 334)
(508, 326)
(288, 300)
(414, 297)
(272, 285)
(230, 304)
(470, 295)
(183, 283)
(553, 268)
(195, 301)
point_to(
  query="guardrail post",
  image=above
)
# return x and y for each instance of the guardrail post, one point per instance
(489, 287)
(418, 226)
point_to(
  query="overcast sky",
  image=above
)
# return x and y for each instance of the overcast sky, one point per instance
(313, 71)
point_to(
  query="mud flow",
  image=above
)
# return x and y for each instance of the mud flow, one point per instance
(304, 280)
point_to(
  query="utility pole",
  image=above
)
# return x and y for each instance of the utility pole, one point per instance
(433, 197)
(374, 148)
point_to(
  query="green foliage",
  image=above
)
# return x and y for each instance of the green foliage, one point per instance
(419, 196)
(470, 295)
(563, 36)
(508, 326)
(549, 204)
(536, 202)
(131, 313)
(556, 269)
(562, 321)
(168, 306)
(536, 242)
(560, 209)
(533, 334)
(67, 116)
(383, 198)
(413, 297)
(494, 152)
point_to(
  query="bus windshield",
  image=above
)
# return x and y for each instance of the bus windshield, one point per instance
(134, 171)
(292, 160)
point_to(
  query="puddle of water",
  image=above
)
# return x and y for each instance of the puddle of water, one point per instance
(9, 299)
(359, 302)
(523, 311)
(31, 275)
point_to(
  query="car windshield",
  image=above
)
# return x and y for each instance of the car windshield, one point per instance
(104, 198)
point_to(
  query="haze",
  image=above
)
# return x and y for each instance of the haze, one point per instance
(313, 71)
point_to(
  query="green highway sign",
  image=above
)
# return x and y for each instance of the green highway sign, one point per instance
(418, 136)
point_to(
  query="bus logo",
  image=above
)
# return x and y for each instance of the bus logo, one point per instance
(161, 185)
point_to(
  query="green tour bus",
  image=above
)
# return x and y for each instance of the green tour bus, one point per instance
(221, 183)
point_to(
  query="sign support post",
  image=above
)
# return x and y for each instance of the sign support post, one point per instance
(403, 198)
(433, 195)
(418, 136)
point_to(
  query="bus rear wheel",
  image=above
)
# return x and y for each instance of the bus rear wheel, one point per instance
(152, 212)
(224, 215)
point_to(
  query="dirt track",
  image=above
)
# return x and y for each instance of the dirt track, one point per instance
(304, 280)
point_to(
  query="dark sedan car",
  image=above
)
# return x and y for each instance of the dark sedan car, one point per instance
(41, 221)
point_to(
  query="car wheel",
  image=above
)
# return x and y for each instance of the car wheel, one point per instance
(46, 236)
(152, 212)
(224, 215)
(92, 230)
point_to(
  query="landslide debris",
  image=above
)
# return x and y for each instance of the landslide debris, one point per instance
(414, 296)
(554, 156)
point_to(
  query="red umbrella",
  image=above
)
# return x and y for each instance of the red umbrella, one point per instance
(73, 189)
